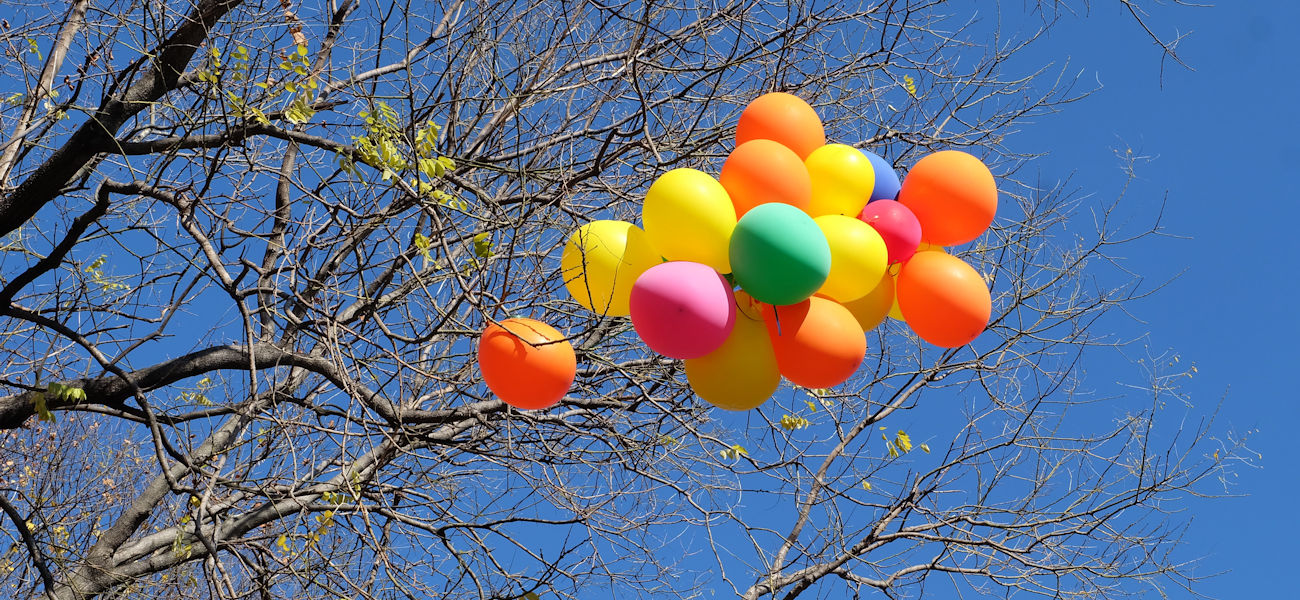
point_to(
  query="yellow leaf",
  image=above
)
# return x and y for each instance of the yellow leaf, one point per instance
(734, 452)
(866, 486)
(903, 442)
(791, 422)
(910, 84)
(926, 448)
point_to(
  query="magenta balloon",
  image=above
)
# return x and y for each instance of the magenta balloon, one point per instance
(897, 225)
(682, 309)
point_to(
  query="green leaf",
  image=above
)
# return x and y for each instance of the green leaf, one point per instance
(42, 410)
(66, 392)
(483, 245)
(431, 168)
(422, 244)
(299, 111)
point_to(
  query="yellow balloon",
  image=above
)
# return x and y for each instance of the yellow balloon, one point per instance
(748, 305)
(842, 180)
(602, 260)
(689, 216)
(896, 313)
(925, 246)
(740, 375)
(858, 257)
(871, 309)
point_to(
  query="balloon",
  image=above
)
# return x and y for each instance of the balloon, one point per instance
(782, 118)
(944, 300)
(779, 255)
(842, 180)
(682, 309)
(602, 260)
(526, 363)
(858, 257)
(689, 216)
(953, 196)
(764, 171)
(928, 247)
(897, 225)
(896, 313)
(818, 343)
(871, 309)
(742, 373)
(887, 185)
(748, 306)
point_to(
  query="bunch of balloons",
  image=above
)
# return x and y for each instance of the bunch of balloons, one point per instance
(777, 267)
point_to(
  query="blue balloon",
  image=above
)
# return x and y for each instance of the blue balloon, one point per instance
(887, 184)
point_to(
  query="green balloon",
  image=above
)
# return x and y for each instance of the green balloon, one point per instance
(778, 254)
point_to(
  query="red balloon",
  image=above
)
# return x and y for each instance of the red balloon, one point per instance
(818, 343)
(953, 195)
(785, 119)
(764, 171)
(526, 363)
(943, 299)
(897, 225)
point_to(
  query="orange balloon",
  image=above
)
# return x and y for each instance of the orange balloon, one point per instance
(944, 300)
(818, 343)
(871, 310)
(953, 195)
(763, 171)
(782, 118)
(526, 363)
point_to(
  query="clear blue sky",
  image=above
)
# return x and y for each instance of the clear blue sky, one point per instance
(1225, 138)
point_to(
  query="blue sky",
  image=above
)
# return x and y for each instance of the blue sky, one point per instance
(1223, 138)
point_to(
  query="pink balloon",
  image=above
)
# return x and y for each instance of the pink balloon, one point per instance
(897, 225)
(682, 309)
